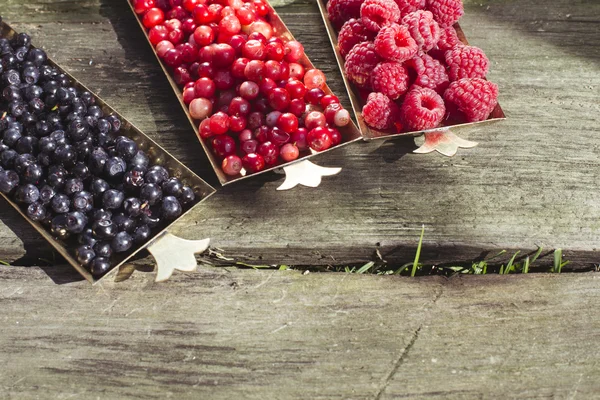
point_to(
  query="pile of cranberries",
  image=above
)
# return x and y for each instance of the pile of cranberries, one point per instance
(256, 103)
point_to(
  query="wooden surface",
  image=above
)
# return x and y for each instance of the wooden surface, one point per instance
(240, 334)
(531, 182)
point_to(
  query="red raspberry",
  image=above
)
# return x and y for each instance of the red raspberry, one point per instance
(408, 6)
(352, 33)
(466, 62)
(377, 13)
(476, 98)
(423, 29)
(394, 42)
(430, 73)
(446, 12)
(391, 79)
(379, 112)
(448, 39)
(340, 11)
(422, 109)
(360, 62)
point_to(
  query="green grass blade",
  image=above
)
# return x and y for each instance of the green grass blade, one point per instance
(537, 254)
(365, 267)
(4, 263)
(509, 266)
(557, 261)
(402, 268)
(526, 265)
(418, 253)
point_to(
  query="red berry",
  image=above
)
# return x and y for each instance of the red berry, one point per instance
(448, 39)
(163, 47)
(314, 78)
(390, 78)
(269, 152)
(189, 5)
(223, 145)
(237, 123)
(394, 42)
(224, 79)
(214, 12)
(336, 136)
(466, 62)
(246, 15)
(253, 162)
(175, 36)
(219, 123)
(314, 96)
(245, 135)
(249, 90)
(230, 24)
(181, 75)
(250, 146)
(329, 99)
(262, 134)
(188, 26)
(274, 51)
(177, 13)
(352, 33)
(204, 35)
(299, 139)
(430, 73)
(188, 95)
(295, 88)
(141, 6)
(223, 56)
(262, 27)
(340, 11)
(279, 99)
(377, 13)
(239, 106)
(314, 119)
(421, 109)
(153, 17)
(360, 63)
(238, 68)
(296, 71)
(201, 14)
(446, 12)
(261, 8)
(157, 34)
(278, 136)
(293, 51)
(272, 118)
(204, 87)
(266, 85)
(204, 129)
(232, 165)
(297, 107)
(254, 70)
(200, 108)
(476, 98)
(189, 53)
(173, 57)
(289, 152)
(172, 24)
(330, 112)
(255, 120)
(423, 29)
(319, 139)
(258, 36)
(254, 50)
(379, 112)
(205, 70)
(237, 42)
(288, 122)
(273, 70)
(342, 118)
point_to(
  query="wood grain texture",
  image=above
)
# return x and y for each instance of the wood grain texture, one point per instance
(530, 182)
(227, 333)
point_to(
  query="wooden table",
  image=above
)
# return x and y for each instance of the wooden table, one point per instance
(226, 333)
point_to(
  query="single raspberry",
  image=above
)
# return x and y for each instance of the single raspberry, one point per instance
(466, 62)
(448, 39)
(408, 6)
(446, 12)
(430, 72)
(391, 79)
(476, 98)
(394, 42)
(340, 11)
(379, 112)
(423, 29)
(360, 62)
(352, 33)
(377, 13)
(422, 109)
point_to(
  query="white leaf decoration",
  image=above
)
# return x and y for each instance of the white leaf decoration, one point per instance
(173, 253)
(305, 173)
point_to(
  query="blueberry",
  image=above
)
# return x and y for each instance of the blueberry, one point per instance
(114, 122)
(33, 173)
(99, 266)
(122, 242)
(58, 227)
(12, 93)
(42, 128)
(103, 249)
(101, 214)
(103, 126)
(156, 174)
(187, 195)
(76, 222)
(73, 186)
(26, 144)
(140, 160)
(80, 170)
(31, 75)
(16, 108)
(22, 39)
(97, 160)
(56, 176)
(170, 208)
(104, 229)
(36, 105)
(20, 54)
(8, 181)
(78, 130)
(87, 237)
(46, 194)
(151, 193)
(36, 211)
(115, 168)
(134, 179)
(51, 87)
(85, 255)
(11, 77)
(27, 194)
(94, 111)
(65, 154)
(142, 234)
(11, 136)
(88, 98)
(152, 218)
(126, 148)
(112, 199)
(32, 92)
(83, 201)
(60, 203)
(7, 158)
(59, 137)
(172, 187)
(37, 56)
(124, 223)
(22, 161)
(98, 187)
(63, 95)
(133, 207)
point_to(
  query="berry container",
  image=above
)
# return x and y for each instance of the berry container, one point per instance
(350, 133)
(357, 102)
(156, 154)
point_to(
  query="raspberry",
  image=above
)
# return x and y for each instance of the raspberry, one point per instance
(448, 39)
(430, 73)
(395, 43)
(340, 11)
(408, 6)
(352, 33)
(391, 79)
(360, 62)
(476, 98)
(377, 13)
(446, 12)
(423, 29)
(379, 112)
(422, 109)
(466, 62)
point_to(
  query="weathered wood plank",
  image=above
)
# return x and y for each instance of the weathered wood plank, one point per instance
(529, 182)
(225, 334)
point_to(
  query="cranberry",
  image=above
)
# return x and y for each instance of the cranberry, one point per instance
(225, 99)
(237, 42)
(278, 136)
(226, 11)
(245, 135)
(254, 70)
(296, 70)
(175, 36)
(189, 53)
(224, 79)
(239, 106)
(253, 162)
(266, 85)
(342, 118)
(158, 34)
(295, 88)
(284, 72)
(272, 118)
(249, 90)
(205, 70)
(204, 87)
(162, 48)
(336, 136)
(260, 104)
(274, 51)
(224, 55)
(279, 99)
(175, 3)
(235, 4)
(329, 99)
(204, 35)
(188, 26)
(313, 96)
(201, 14)
(238, 68)
(297, 107)
(258, 36)
(232, 165)
(262, 134)
(254, 50)
(289, 152)
(204, 129)
(299, 139)
(293, 51)
(200, 108)
(313, 78)
(181, 75)
(273, 70)
(263, 28)
(250, 146)
(206, 54)
(261, 8)
(269, 152)
(219, 123)
(153, 17)
(314, 119)
(173, 57)
(141, 6)
(173, 24)
(230, 24)
(189, 5)
(223, 145)
(214, 12)
(255, 120)
(246, 15)
(319, 139)
(188, 95)
(288, 122)
(330, 112)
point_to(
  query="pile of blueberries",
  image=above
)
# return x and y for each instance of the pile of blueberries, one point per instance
(66, 164)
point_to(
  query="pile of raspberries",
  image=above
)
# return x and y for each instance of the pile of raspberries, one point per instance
(408, 63)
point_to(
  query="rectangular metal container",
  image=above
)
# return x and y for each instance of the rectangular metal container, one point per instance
(350, 133)
(369, 133)
(157, 155)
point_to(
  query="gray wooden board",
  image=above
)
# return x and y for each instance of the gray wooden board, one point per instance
(531, 181)
(227, 333)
